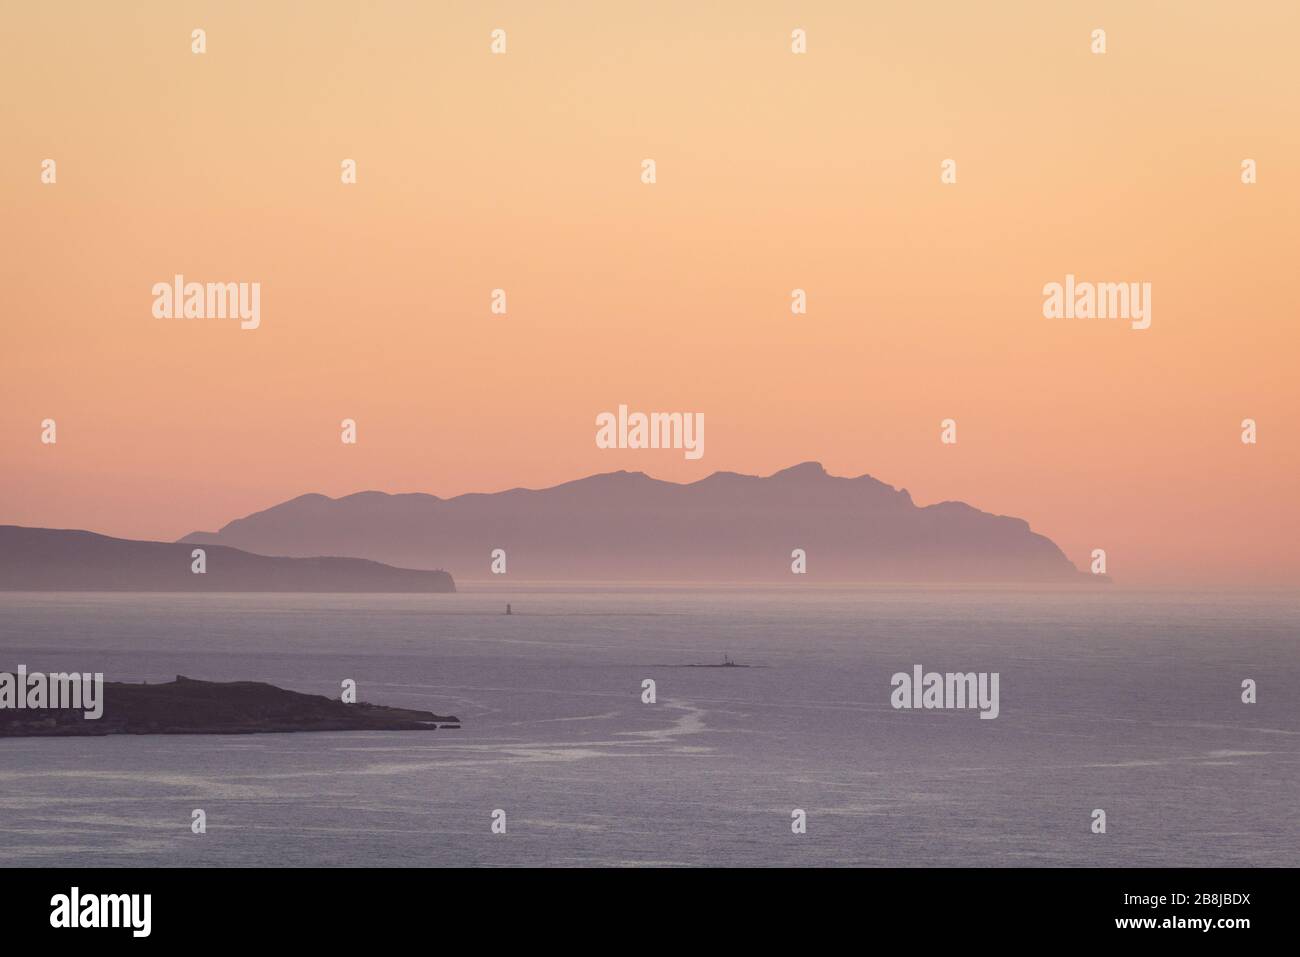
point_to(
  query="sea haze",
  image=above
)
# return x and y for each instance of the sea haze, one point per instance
(1123, 700)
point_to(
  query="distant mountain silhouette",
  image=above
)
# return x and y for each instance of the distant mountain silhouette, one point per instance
(623, 526)
(47, 559)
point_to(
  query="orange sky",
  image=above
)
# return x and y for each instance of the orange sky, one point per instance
(775, 172)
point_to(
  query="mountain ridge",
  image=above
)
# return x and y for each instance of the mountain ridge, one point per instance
(625, 525)
(58, 559)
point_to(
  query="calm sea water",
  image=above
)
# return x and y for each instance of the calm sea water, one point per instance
(1121, 700)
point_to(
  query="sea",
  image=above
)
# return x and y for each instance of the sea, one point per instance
(1116, 700)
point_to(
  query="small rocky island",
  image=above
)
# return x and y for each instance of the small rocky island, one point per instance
(186, 706)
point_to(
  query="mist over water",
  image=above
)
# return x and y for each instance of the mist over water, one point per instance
(1122, 700)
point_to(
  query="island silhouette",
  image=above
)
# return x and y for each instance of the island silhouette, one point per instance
(627, 526)
(48, 559)
(188, 706)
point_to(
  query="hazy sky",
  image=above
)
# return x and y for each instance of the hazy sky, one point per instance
(775, 172)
